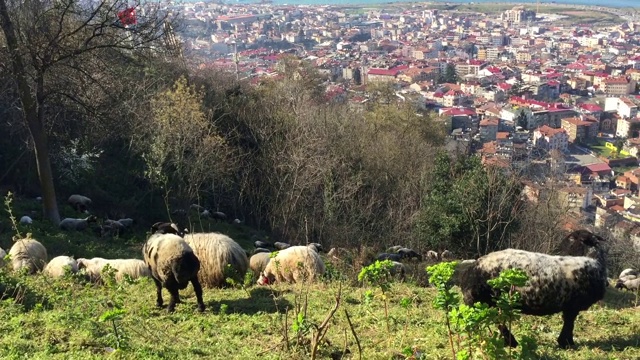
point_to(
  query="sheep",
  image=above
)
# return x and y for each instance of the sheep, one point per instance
(258, 262)
(261, 250)
(262, 244)
(316, 247)
(446, 255)
(216, 252)
(133, 268)
(26, 220)
(167, 228)
(295, 264)
(281, 245)
(569, 283)
(127, 222)
(113, 227)
(58, 265)
(77, 224)
(387, 256)
(219, 215)
(432, 255)
(172, 264)
(398, 269)
(409, 254)
(394, 249)
(236, 221)
(628, 283)
(28, 254)
(196, 207)
(627, 272)
(79, 203)
(2, 256)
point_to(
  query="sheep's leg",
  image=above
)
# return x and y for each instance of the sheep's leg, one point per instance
(509, 339)
(198, 290)
(159, 292)
(566, 334)
(175, 298)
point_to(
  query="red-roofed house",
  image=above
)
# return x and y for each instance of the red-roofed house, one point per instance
(379, 75)
(591, 109)
(452, 98)
(489, 128)
(549, 138)
(580, 130)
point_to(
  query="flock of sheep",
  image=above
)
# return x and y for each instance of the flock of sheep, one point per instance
(568, 282)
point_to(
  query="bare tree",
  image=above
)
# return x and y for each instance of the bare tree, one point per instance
(47, 40)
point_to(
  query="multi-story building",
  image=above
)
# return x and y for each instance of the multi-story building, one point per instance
(624, 107)
(518, 15)
(580, 130)
(489, 128)
(628, 127)
(548, 138)
(618, 86)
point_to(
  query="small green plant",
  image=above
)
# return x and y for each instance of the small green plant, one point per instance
(113, 316)
(471, 327)
(379, 274)
(8, 200)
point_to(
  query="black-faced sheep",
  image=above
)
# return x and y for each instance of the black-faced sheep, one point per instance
(59, 265)
(281, 245)
(133, 268)
(77, 224)
(28, 254)
(629, 272)
(173, 265)
(409, 254)
(628, 283)
(261, 250)
(79, 202)
(167, 228)
(295, 264)
(258, 262)
(316, 247)
(387, 256)
(220, 258)
(26, 220)
(569, 284)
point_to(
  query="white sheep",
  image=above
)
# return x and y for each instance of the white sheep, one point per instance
(133, 268)
(26, 220)
(77, 224)
(432, 255)
(79, 202)
(59, 265)
(629, 272)
(294, 264)
(28, 254)
(220, 258)
(446, 255)
(569, 283)
(628, 283)
(173, 265)
(258, 262)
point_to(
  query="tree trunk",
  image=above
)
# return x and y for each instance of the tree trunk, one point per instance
(33, 116)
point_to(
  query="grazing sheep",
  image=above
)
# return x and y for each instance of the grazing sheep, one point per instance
(127, 222)
(79, 202)
(77, 224)
(173, 265)
(398, 270)
(629, 272)
(262, 244)
(409, 254)
(261, 250)
(134, 268)
(628, 283)
(167, 228)
(216, 253)
(446, 255)
(339, 254)
(2, 255)
(432, 255)
(58, 265)
(316, 247)
(236, 222)
(26, 220)
(281, 245)
(28, 254)
(387, 256)
(258, 262)
(569, 283)
(219, 215)
(295, 264)
(198, 208)
(394, 249)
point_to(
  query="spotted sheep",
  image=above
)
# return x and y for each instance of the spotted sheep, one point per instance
(568, 283)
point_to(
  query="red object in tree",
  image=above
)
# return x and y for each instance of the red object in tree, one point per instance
(128, 16)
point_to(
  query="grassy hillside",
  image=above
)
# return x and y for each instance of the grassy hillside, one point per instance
(68, 318)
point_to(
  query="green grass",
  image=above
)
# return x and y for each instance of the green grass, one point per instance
(60, 319)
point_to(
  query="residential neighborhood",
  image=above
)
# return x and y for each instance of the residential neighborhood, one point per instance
(523, 89)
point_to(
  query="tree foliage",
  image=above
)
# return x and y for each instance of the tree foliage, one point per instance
(469, 209)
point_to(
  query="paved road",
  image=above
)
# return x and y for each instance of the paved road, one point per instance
(580, 156)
